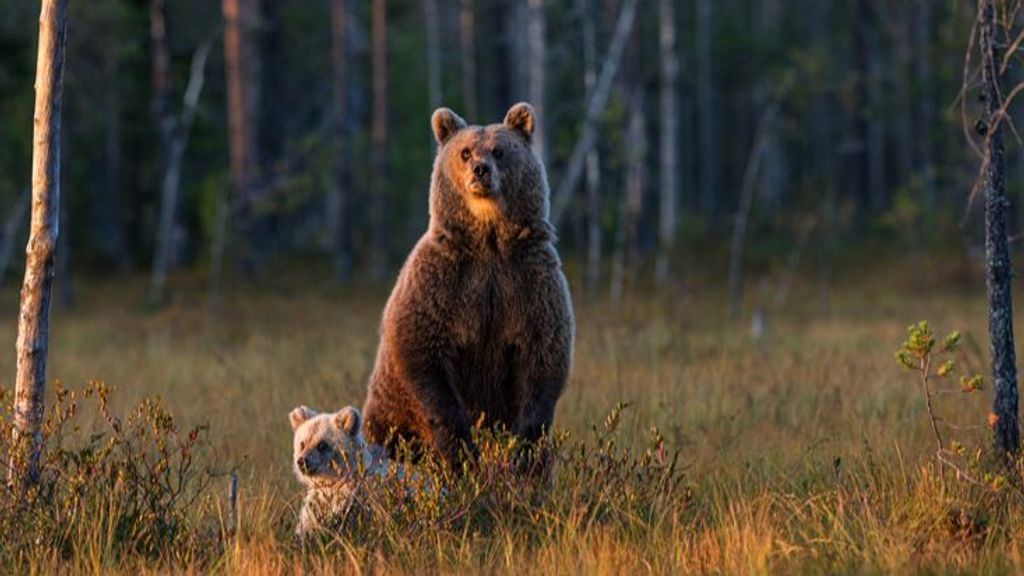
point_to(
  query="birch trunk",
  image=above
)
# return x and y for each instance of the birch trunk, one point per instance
(669, 128)
(998, 265)
(171, 180)
(595, 107)
(34, 315)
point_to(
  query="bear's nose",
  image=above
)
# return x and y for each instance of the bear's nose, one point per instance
(481, 169)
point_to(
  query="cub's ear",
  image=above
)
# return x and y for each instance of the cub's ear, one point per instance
(520, 118)
(348, 420)
(300, 415)
(445, 124)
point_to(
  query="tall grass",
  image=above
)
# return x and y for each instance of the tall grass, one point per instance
(807, 450)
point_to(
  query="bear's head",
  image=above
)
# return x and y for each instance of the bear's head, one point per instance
(487, 174)
(327, 446)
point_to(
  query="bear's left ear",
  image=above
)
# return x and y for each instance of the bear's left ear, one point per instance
(445, 124)
(348, 420)
(300, 415)
(520, 119)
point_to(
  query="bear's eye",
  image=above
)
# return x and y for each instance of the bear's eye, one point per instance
(465, 154)
(498, 153)
(322, 446)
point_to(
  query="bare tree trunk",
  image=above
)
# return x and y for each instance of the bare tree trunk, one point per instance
(593, 160)
(771, 181)
(998, 265)
(707, 105)
(338, 197)
(34, 314)
(243, 103)
(433, 34)
(379, 137)
(739, 231)
(538, 65)
(170, 182)
(669, 127)
(563, 194)
(467, 38)
(632, 202)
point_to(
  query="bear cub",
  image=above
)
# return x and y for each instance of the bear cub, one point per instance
(331, 457)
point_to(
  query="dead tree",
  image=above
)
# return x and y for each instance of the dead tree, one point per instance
(668, 127)
(707, 106)
(34, 315)
(174, 133)
(563, 194)
(998, 265)
(625, 257)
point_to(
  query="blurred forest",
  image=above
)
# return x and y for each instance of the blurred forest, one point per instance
(240, 134)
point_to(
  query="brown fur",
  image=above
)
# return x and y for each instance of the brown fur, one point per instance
(480, 321)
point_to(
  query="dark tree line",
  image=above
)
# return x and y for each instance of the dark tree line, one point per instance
(224, 135)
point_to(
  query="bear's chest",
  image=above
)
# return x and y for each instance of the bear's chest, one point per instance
(491, 307)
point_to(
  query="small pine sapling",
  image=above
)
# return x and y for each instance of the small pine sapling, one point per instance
(935, 369)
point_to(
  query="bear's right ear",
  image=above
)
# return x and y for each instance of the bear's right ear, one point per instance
(445, 124)
(300, 415)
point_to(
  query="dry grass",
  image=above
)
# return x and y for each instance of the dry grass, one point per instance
(805, 451)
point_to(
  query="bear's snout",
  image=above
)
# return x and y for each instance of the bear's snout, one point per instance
(481, 170)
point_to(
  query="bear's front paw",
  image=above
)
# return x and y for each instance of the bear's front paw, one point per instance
(455, 445)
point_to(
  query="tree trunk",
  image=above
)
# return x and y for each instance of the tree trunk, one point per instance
(669, 127)
(242, 104)
(34, 314)
(766, 127)
(998, 266)
(593, 160)
(467, 39)
(625, 256)
(707, 113)
(338, 197)
(108, 226)
(433, 34)
(595, 107)
(174, 133)
(538, 65)
(379, 138)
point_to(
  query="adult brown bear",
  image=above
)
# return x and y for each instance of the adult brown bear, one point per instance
(480, 321)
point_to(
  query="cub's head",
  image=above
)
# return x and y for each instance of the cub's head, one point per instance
(490, 171)
(326, 446)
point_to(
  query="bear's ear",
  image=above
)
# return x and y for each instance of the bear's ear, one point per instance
(445, 124)
(520, 119)
(300, 415)
(348, 420)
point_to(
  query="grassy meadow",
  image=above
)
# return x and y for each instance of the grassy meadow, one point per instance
(806, 450)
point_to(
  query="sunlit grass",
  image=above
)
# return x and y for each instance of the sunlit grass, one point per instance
(805, 450)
